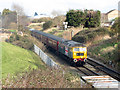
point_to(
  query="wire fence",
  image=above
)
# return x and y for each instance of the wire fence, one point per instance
(46, 59)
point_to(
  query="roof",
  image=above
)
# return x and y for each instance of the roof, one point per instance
(102, 81)
(50, 36)
(72, 43)
(69, 43)
(110, 11)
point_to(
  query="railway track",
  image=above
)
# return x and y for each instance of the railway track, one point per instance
(87, 71)
(108, 71)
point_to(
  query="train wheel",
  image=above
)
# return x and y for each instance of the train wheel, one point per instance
(72, 63)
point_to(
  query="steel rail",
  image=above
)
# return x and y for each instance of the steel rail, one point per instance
(87, 71)
(105, 69)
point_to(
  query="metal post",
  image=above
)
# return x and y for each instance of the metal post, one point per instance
(65, 25)
(17, 20)
(0, 53)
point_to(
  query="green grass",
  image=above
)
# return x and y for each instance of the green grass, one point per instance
(16, 60)
(12, 30)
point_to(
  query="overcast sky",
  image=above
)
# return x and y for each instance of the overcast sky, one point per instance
(47, 6)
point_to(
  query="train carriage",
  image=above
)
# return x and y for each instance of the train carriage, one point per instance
(53, 43)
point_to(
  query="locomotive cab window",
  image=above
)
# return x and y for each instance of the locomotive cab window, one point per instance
(76, 49)
(83, 49)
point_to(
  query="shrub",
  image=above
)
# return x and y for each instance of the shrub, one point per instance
(11, 39)
(80, 39)
(48, 78)
(60, 35)
(18, 43)
(116, 26)
(89, 35)
(47, 25)
(21, 41)
(17, 37)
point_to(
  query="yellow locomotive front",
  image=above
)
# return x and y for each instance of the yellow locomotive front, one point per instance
(79, 54)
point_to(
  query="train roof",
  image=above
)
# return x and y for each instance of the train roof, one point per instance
(72, 43)
(69, 43)
(50, 36)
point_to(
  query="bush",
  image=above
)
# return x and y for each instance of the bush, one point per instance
(47, 25)
(60, 35)
(17, 37)
(48, 78)
(91, 36)
(116, 26)
(80, 39)
(20, 41)
(11, 39)
(85, 36)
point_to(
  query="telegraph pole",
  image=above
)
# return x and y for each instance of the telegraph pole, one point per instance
(17, 20)
(0, 20)
(0, 53)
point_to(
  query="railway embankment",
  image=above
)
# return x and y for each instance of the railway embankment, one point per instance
(17, 76)
(102, 45)
(16, 60)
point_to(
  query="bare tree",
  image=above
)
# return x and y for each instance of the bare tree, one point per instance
(58, 18)
(19, 9)
(8, 18)
(22, 19)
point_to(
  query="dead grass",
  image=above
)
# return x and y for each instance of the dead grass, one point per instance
(49, 30)
(49, 78)
(36, 26)
(102, 37)
(106, 50)
(97, 39)
(4, 36)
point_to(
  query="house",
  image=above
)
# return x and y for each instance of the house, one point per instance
(112, 14)
(107, 18)
(38, 16)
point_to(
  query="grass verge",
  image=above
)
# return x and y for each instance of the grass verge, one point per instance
(16, 60)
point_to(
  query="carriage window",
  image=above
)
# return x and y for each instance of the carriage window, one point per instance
(76, 49)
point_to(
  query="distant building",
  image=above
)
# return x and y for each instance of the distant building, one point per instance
(104, 18)
(112, 14)
(119, 8)
(37, 16)
(107, 18)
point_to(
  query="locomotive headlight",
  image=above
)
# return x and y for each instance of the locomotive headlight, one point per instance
(74, 53)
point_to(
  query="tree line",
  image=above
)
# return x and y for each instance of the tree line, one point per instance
(14, 19)
(88, 18)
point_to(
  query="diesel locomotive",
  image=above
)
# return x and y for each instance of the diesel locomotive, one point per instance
(76, 52)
